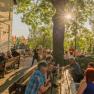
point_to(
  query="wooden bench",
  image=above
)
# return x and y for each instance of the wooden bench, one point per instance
(13, 61)
(10, 63)
(18, 87)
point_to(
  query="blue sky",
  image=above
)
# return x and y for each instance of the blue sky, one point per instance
(19, 29)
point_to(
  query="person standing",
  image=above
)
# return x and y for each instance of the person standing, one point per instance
(36, 84)
(91, 65)
(76, 70)
(35, 56)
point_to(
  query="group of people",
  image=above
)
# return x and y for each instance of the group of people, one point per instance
(41, 54)
(84, 77)
(41, 79)
(70, 54)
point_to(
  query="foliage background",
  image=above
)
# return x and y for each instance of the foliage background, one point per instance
(38, 15)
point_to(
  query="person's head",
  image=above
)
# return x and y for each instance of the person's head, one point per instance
(71, 53)
(72, 61)
(90, 75)
(48, 51)
(42, 66)
(50, 66)
(91, 65)
(66, 52)
(49, 59)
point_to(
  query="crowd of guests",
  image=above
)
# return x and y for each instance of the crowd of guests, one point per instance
(40, 81)
(42, 78)
(72, 54)
(84, 77)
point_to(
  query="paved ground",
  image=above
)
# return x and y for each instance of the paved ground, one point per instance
(14, 74)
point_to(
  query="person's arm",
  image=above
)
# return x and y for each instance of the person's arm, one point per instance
(82, 87)
(43, 88)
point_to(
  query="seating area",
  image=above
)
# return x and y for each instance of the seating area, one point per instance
(66, 83)
(11, 63)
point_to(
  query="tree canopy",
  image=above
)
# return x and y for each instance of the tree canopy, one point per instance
(38, 15)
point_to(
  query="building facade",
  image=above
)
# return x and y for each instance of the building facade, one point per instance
(6, 7)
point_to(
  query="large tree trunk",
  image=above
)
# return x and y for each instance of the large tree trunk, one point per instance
(58, 31)
(58, 41)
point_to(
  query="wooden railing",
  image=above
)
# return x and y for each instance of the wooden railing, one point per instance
(18, 87)
(66, 84)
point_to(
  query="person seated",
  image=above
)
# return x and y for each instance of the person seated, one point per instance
(87, 85)
(37, 81)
